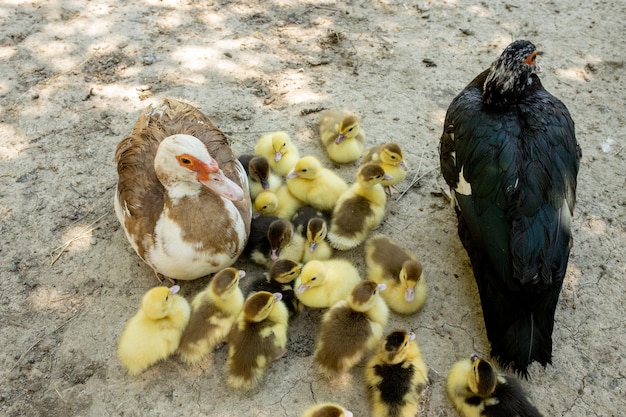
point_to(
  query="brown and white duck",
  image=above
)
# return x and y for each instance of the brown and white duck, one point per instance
(182, 196)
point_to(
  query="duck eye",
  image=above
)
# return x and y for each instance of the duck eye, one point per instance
(185, 161)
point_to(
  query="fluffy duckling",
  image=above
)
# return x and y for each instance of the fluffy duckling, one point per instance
(341, 135)
(389, 156)
(284, 242)
(321, 284)
(327, 410)
(390, 264)
(155, 331)
(350, 329)
(282, 275)
(360, 209)
(281, 203)
(315, 184)
(316, 245)
(213, 312)
(258, 337)
(476, 389)
(258, 247)
(260, 175)
(395, 376)
(279, 150)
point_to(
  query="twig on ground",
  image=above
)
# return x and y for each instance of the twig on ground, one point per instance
(81, 235)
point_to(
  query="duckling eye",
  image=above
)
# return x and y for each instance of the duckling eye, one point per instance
(292, 272)
(393, 157)
(167, 298)
(304, 170)
(313, 279)
(350, 130)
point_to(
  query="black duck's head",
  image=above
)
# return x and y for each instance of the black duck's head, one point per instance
(510, 74)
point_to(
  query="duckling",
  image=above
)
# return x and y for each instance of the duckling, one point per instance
(154, 332)
(284, 242)
(315, 184)
(395, 376)
(342, 135)
(258, 337)
(390, 264)
(260, 175)
(360, 209)
(258, 247)
(213, 312)
(282, 275)
(279, 150)
(327, 410)
(316, 245)
(304, 214)
(389, 156)
(321, 284)
(281, 203)
(350, 329)
(476, 390)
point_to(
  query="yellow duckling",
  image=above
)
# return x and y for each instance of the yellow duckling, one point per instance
(279, 150)
(390, 157)
(327, 410)
(350, 329)
(360, 209)
(281, 203)
(315, 184)
(258, 338)
(284, 242)
(155, 331)
(260, 175)
(395, 376)
(316, 245)
(321, 284)
(282, 275)
(213, 312)
(342, 135)
(476, 390)
(390, 264)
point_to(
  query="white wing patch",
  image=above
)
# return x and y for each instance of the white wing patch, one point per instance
(463, 187)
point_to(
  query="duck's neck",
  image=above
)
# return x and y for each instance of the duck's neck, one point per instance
(182, 189)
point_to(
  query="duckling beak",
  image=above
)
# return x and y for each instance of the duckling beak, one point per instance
(312, 246)
(403, 166)
(347, 413)
(340, 137)
(411, 336)
(174, 289)
(274, 254)
(409, 294)
(292, 174)
(382, 287)
(277, 297)
(241, 273)
(256, 214)
(221, 185)
(387, 177)
(277, 156)
(265, 184)
(473, 357)
(302, 288)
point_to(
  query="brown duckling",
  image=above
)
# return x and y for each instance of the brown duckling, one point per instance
(213, 312)
(350, 329)
(284, 242)
(260, 175)
(258, 338)
(390, 157)
(281, 277)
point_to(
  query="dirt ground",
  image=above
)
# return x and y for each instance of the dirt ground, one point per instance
(74, 75)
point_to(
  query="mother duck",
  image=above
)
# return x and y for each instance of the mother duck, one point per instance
(182, 196)
(509, 153)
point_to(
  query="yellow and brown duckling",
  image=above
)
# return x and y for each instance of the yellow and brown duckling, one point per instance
(260, 175)
(321, 284)
(285, 243)
(316, 246)
(390, 264)
(280, 203)
(326, 410)
(213, 312)
(342, 135)
(258, 247)
(314, 184)
(154, 332)
(395, 376)
(476, 390)
(350, 329)
(281, 153)
(281, 277)
(390, 157)
(360, 209)
(257, 339)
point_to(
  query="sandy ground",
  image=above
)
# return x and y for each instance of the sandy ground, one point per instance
(74, 75)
